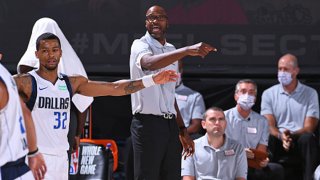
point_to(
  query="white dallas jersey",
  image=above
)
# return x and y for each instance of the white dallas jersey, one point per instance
(13, 143)
(51, 115)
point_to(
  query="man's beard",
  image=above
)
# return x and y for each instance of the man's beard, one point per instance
(51, 68)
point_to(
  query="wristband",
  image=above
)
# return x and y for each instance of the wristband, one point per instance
(33, 153)
(147, 81)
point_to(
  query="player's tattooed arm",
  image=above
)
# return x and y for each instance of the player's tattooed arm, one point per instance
(133, 87)
(24, 85)
(87, 87)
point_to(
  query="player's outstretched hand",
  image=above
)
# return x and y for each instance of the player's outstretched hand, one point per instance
(37, 166)
(200, 49)
(165, 76)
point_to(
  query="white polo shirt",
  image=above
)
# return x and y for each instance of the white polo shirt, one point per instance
(290, 110)
(250, 131)
(226, 163)
(158, 99)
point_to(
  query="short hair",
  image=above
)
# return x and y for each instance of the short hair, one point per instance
(46, 36)
(246, 81)
(213, 108)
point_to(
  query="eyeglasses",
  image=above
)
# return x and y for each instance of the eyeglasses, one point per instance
(152, 18)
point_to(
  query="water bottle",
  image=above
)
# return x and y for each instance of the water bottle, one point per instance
(109, 162)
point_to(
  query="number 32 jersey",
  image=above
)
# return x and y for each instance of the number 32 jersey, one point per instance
(51, 114)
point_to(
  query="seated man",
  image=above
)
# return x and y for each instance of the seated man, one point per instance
(292, 110)
(215, 156)
(251, 130)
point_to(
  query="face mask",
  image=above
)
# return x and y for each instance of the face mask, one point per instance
(246, 101)
(284, 78)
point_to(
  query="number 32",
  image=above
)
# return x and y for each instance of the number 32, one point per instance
(60, 118)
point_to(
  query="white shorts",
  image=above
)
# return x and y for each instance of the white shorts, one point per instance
(27, 176)
(20, 167)
(57, 166)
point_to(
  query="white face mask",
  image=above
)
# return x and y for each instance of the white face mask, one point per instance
(284, 78)
(246, 101)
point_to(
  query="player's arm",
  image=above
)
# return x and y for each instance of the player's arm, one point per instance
(35, 158)
(81, 118)
(31, 134)
(4, 97)
(86, 87)
(154, 62)
(36, 163)
(24, 85)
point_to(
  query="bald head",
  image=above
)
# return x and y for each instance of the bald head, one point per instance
(157, 23)
(156, 8)
(289, 60)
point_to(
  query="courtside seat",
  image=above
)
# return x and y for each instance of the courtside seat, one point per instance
(92, 160)
(104, 142)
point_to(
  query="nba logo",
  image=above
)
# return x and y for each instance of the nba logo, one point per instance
(74, 162)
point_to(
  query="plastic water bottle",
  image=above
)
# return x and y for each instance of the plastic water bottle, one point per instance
(109, 162)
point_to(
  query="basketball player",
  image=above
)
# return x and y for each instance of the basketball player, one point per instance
(71, 66)
(17, 134)
(48, 94)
